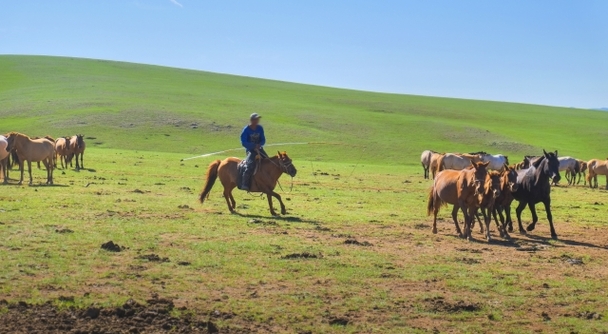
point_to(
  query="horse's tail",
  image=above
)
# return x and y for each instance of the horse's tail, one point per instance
(430, 203)
(15, 157)
(211, 177)
(433, 202)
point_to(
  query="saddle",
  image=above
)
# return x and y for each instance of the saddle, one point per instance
(242, 168)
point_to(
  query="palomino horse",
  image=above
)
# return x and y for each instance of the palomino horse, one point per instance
(64, 151)
(571, 167)
(534, 186)
(32, 150)
(456, 161)
(425, 160)
(4, 158)
(264, 181)
(597, 167)
(497, 162)
(445, 191)
(77, 147)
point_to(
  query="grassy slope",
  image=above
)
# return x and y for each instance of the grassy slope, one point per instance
(236, 266)
(109, 100)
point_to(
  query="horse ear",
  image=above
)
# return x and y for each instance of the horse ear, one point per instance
(279, 153)
(545, 152)
(556, 153)
(486, 164)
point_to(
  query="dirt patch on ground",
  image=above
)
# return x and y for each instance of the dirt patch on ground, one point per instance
(153, 258)
(304, 255)
(131, 317)
(440, 305)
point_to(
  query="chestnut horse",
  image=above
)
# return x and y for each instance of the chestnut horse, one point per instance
(64, 151)
(32, 150)
(264, 181)
(77, 147)
(597, 167)
(446, 190)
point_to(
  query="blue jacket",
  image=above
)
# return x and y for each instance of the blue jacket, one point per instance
(250, 138)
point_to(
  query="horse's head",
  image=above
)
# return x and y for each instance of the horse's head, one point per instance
(79, 141)
(481, 177)
(551, 167)
(510, 179)
(286, 164)
(494, 190)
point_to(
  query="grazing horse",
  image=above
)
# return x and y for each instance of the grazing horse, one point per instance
(433, 166)
(425, 160)
(64, 151)
(264, 181)
(77, 146)
(497, 162)
(456, 161)
(597, 167)
(445, 191)
(571, 167)
(534, 186)
(582, 172)
(32, 150)
(4, 158)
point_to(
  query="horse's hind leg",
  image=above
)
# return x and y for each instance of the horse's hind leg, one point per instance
(29, 169)
(455, 218)
(227, 197)
(532, 226)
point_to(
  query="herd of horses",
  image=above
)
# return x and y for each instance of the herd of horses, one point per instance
(478, 182)
(17, 148)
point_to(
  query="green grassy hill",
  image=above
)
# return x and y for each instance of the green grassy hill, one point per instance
(142, 107)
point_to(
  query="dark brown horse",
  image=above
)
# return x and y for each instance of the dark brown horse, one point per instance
(264, 181)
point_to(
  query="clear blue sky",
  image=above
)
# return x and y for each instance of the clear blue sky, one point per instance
(537, 51)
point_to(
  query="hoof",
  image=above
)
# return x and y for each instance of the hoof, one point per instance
(434, 231)
(554, 236)
(283, 212)
(510, 228)
(522, 231)
(530, 227)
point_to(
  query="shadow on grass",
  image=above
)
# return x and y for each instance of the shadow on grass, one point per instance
(523, 242)
(288, 219)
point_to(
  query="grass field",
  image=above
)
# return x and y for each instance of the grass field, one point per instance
(357, 207)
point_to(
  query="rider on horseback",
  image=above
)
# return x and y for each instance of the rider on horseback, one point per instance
(253, 140)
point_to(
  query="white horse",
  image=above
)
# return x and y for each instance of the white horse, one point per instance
(457, 161)
(4, 153)
(497, 162)
(571, 166)
(425, 160)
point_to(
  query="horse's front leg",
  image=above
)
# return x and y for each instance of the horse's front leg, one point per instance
(82, 160)
(283, 210)
(21, 168)
(488, 220)
(29, 169)
(272, 212)
(547, 204)
(455, 218)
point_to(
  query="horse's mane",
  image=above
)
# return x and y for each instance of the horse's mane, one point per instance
(13, 133)
(494, 173)
(480, 152)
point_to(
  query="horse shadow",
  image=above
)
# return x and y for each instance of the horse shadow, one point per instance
(90, 170)
(521, 241)
(287, 219)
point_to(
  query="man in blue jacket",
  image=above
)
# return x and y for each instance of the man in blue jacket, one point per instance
(253, 140)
